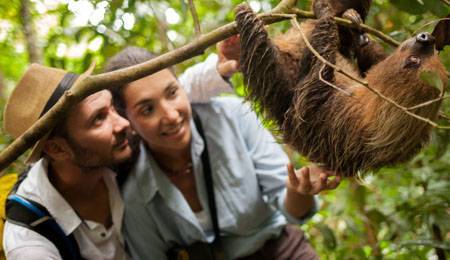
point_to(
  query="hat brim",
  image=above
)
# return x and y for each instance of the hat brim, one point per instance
(36, 151)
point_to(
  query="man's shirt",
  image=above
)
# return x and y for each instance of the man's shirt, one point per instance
(94, 240)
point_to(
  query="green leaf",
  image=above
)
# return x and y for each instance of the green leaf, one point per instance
(412, 7)
(431, 78)
(329, 239)
(376, 216)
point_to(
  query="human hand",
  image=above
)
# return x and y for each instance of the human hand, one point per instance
(229, 52)
(310, 180)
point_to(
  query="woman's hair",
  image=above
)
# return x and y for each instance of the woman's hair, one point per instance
(127, 57)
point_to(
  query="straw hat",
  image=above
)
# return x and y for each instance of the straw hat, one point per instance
(37, 91)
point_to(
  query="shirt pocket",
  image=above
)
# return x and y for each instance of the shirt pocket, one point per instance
(239, 196)
(233, 169)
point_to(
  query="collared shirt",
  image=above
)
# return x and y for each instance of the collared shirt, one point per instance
(94, 240)
(249, 172)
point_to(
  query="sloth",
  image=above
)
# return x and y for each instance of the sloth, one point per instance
(329, 118)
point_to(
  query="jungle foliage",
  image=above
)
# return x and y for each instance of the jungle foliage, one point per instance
(401, 212)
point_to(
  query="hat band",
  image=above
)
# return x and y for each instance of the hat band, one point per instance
(63, 85)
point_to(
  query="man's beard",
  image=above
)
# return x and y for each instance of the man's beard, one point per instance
(87, 159)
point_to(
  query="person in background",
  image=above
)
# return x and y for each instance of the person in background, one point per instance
(70, 175)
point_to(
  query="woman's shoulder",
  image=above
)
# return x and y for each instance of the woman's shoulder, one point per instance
(230, 101)
(225, 105)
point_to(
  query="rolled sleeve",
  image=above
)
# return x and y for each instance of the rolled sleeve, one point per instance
(294, 220)
(202, 81)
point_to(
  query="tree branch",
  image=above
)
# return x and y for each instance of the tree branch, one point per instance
(162, 29)
(428, 102)
(429, 243)
(198, 30)
(444, 116)
(428, 24)
(95, 83)
(2, 86)
(284, 6)
(447, 2)
(348, 23)
(331, 84)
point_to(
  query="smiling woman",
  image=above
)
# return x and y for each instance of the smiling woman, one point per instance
(171, 202)
(160, 112)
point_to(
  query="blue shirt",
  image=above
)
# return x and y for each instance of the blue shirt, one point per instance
(249, 172)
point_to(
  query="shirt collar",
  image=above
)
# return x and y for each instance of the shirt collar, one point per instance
(144, 171)
(153, 181)
(38, 187)
(147, 169)
(197, 143)
(115, 200)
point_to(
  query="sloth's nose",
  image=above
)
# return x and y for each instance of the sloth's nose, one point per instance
(425, 38)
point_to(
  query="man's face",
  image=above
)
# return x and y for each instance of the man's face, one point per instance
(96, 134)
(159, 110)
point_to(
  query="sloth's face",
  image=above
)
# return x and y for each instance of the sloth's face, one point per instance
(417, 50)
(404, 68)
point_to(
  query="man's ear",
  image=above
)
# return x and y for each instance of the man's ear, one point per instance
(57, 148)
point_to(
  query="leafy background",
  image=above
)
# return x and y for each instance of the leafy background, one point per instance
(398, 213)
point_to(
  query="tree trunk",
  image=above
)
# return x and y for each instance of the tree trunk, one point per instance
(2, 86)
(34, 53)
(437, 234)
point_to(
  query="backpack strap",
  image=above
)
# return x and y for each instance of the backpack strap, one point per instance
(32, 215)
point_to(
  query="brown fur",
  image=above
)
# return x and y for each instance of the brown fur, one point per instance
(343, 133)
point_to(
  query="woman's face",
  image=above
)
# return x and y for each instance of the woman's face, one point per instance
(159, 110)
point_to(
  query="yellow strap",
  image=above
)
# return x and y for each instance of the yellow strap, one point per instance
(6, 184)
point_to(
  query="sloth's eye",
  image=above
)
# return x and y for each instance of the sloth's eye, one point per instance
(412, 62)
